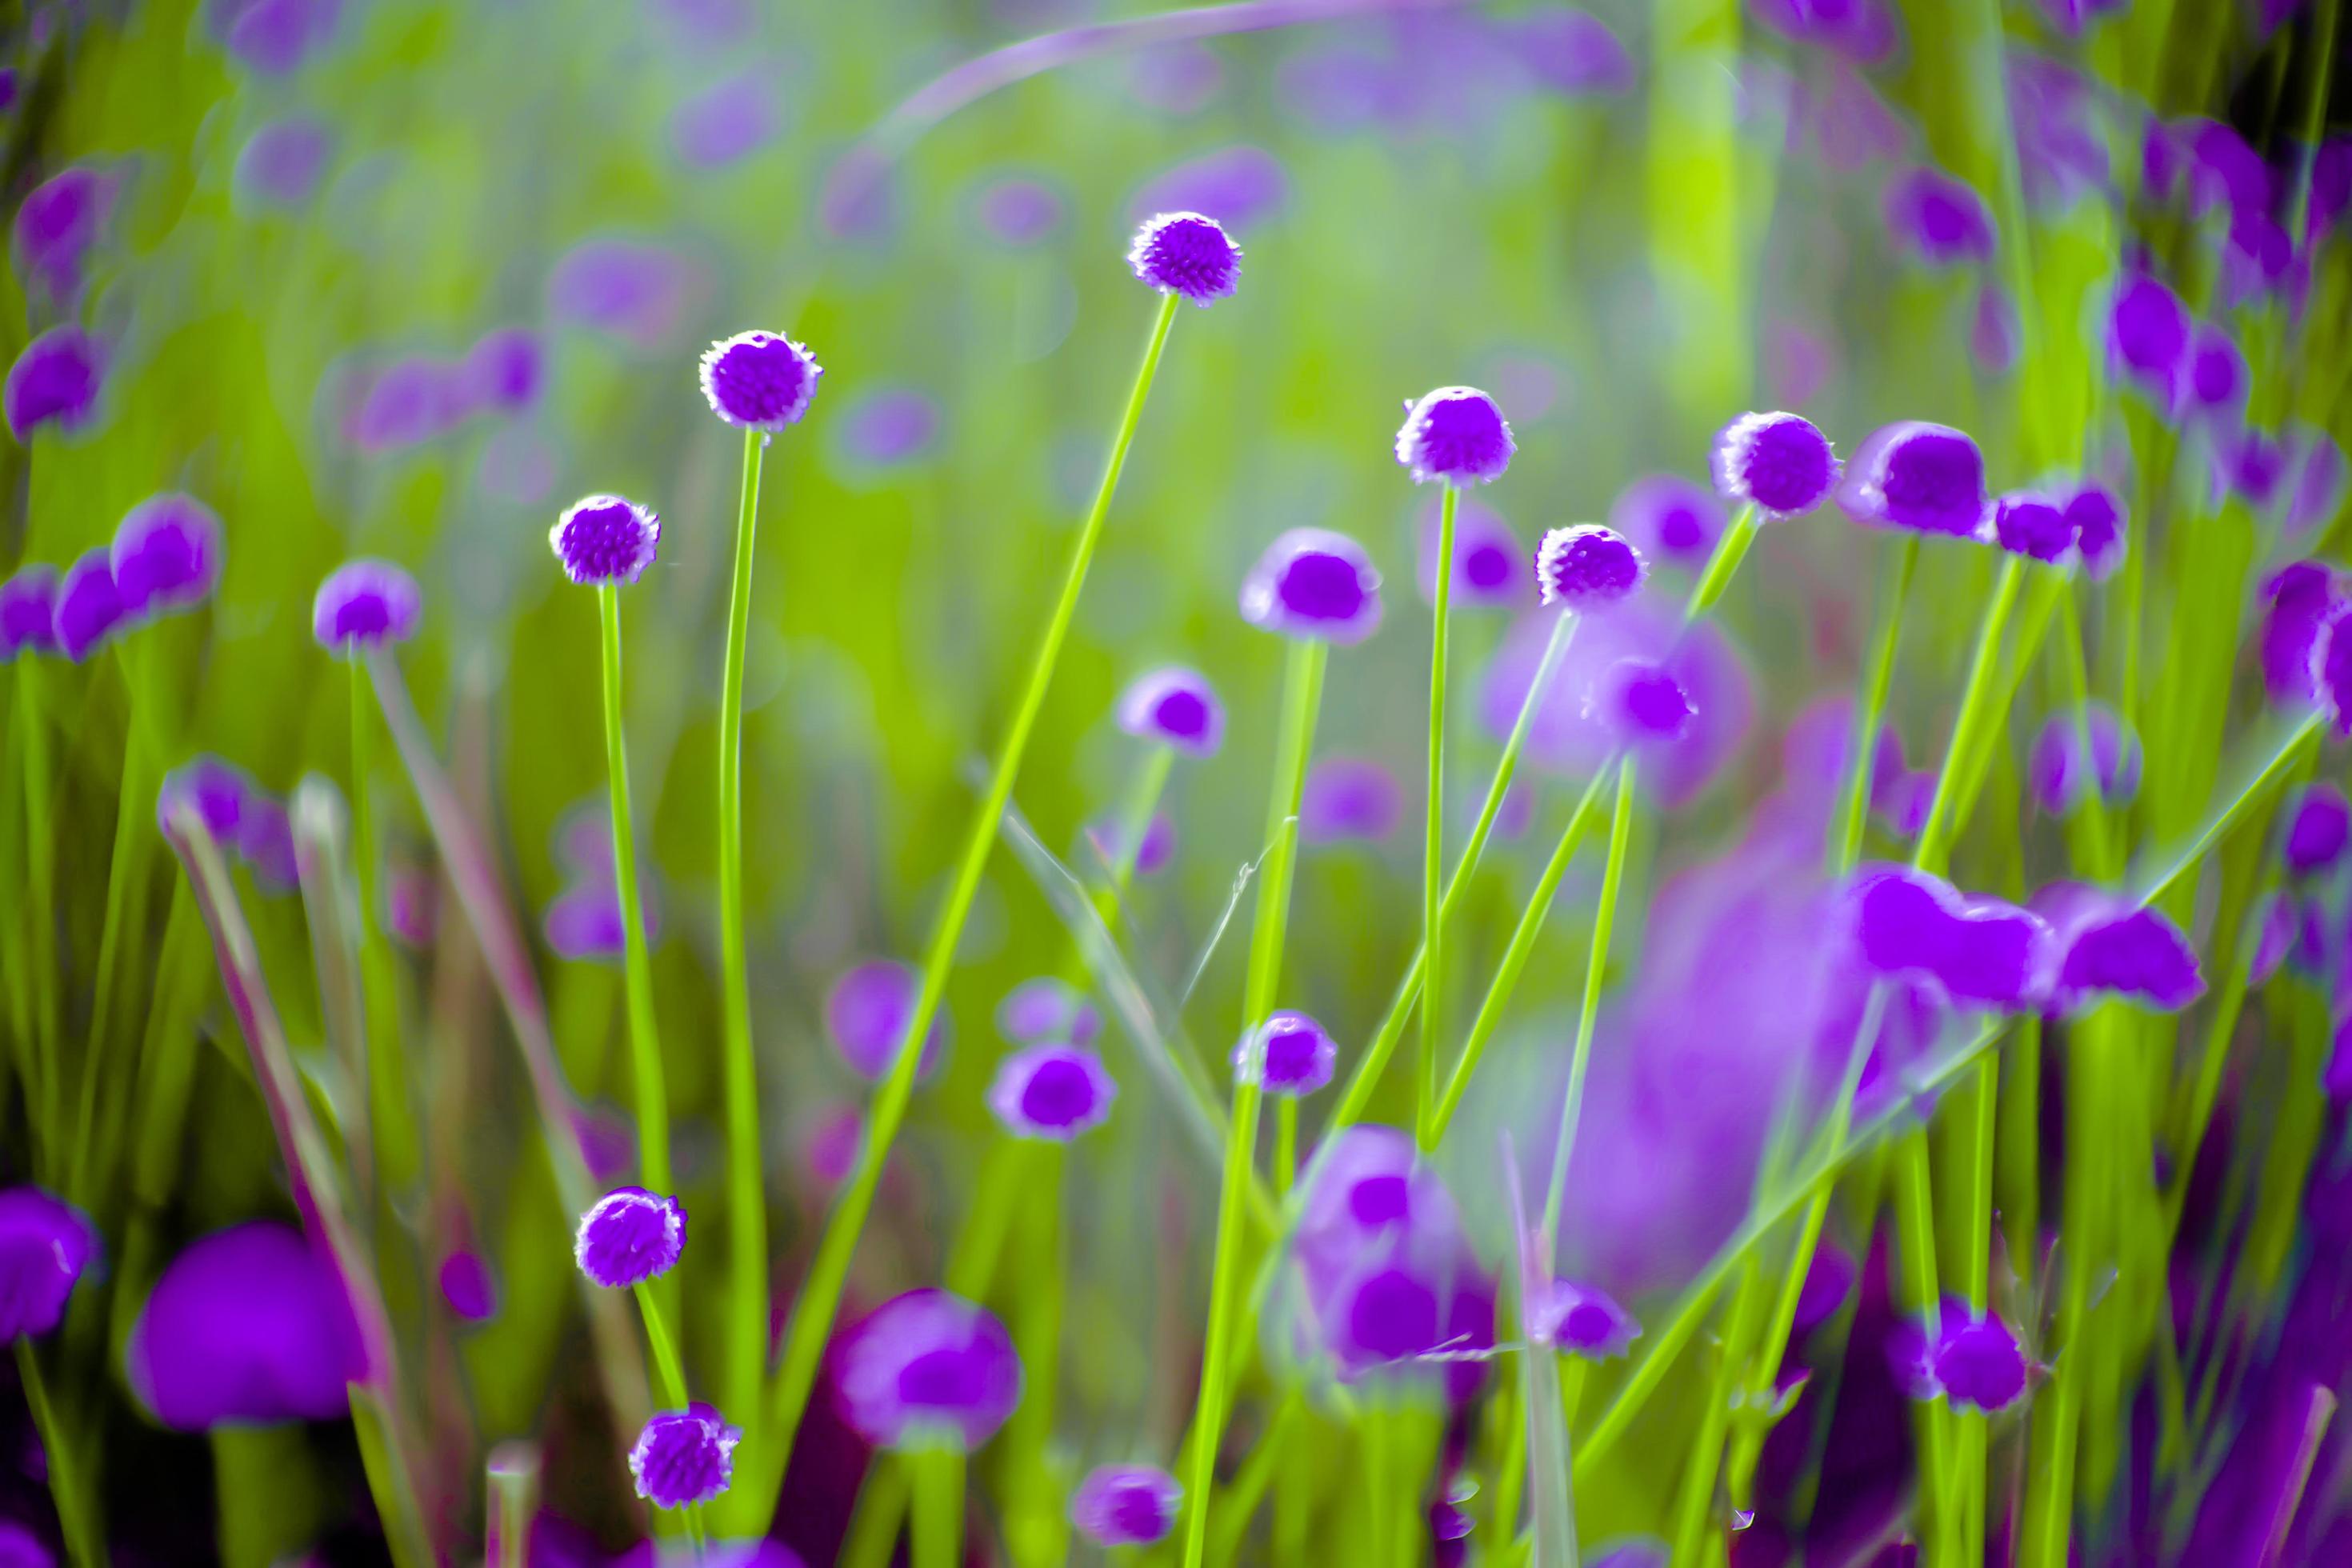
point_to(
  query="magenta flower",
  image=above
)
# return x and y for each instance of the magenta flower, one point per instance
(1669, 516)
(684, 1456)
(55, 381)
(626, 288)
(28, 611)
(1456, 435)
(281, 163)
(2217, 376)
(466, 1288)
(1586, 566)
(1313, 583)
(1641, 702)
(2331, 668)
(760, 381)
(605, 540)
(1927, 478)
(166, 554)
(2110, 946)
(1485, 556)
(1582, 1318)
(2060, 775)
(1126, 1505)
(44, 1244)
(2028, 523)
(2147, 337)
(1290, 1054)
(1187, 254)
(1778, 463)
(2319, 823)
(730, 119)
(1980, 951)
(1973, 1360)
(868, 1013)
(2300, 597)
(87, 608)
(1176, 707)
(1348, 799)
(58, 222)
(247, 1326)
(1939, 218)
(364, 605)
(216, 791)
(504, 369)
(1052, 1091)
(1046, 1009)
(928, 1368)
(628, 1236)
(1241, 185)
(2096, 519)
(1108, 836)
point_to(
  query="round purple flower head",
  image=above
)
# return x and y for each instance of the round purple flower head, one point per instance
(2331, 668)
(28, 611)
(1669, 516)
(1485, 556)
(1051, 1091)
(684, 1456)
(605, 540)
(466, 1286)
(2148, 335)
(928, 1369)
(1640, 702)
(54, 381)
(166, 554)
(2216, 371)
(248, 1325)
(216, 791)
(1976, 1361)
(2056, 768)
(868, 1011)
(1290, 1054)
(1938, 217)
(503, 369)
(2096, 520)
(1313, 583)
(2317, 830)
(1456, 436)
(628, 1236)
(2032, 525)
(44, 1244)
(1583, 1320)
(1126, 1505)
(1048, 1009)
(364, 605)
(760, 381)
(1176, 707)
(1779, 463)
(1915, 475)
(1187, 254)
(1349, 797)
(1586, 566)
(87, 607)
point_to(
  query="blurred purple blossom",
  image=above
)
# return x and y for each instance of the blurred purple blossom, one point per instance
(57, 223)
(889, 426)
(926, 1367)
(87, 608)
(46, 1243)
(1052, 1091)
(1917, 476)
(583, 925)
(2318, 824)
(1567, 51)
(1669, 517)
(1348, 799)
(632, 290)
(405, 404)
(466, 1286)
(247, 1325)
(1020, 211)
(1239, 187)
(1489, 567)
(709, 24)
(2060, 144)
(55, 381)
(1047, 1008)
(1583, 1320)
(504, 371)
(1108, 839)
(727, 121)
(2113, 947)
(1313, 583)
(282, 163)
(28, 611)
(276, 36)
(1861, 30)
(868, 1012)
(2300, 597)
(2055, 770)
(1939, 218)
(1992, 334)
(2147, 337)
(1126, 1505)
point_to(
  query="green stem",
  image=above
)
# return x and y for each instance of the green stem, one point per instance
(1935, 844)
(1596, 964)
(85, 1546)
(1975, 1249)
(747, 1213)
(1914, 1234)
(938, 1474)
(812, 1314)
(1433, 842)
(1302, 694)
(1723, 565)
(1693, 1512)
(392, 1127)
(40, 854)
(645, 1042)
(666, 1364)
(126, 868)
(1862, 764)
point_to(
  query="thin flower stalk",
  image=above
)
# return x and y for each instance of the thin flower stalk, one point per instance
(1596, 964)
(1432, 843)
(644, 1037)
(392, 1123)
(77, 1516)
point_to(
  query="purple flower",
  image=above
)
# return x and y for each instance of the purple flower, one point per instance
(583, 924)
(1640, 701)
(1914, 475)
(465, 1282)
(1456, 435)
(407, 403)
(1828, 1282)
(19, 1547)
(2148, 336)
(248, 1325)
(605, 540)
(2319, 488)
(364, 605)
(1939, 218)
(868, 1012)
(504, 369)
(628, 1236)
(282, 164)
(87, 608)
(2216, 371)
(2317, 829)
(1778, 463)
(1583, 1320)
(1046, 1009)
(166, 554)
(44, 1244)
(632, 291)
(1485, 555)
(928, 1368)
(2096, 519)
(892, 425)
(1019, 212)
(57, 223)
(2029, 523)
(274, 37)
(212, 789)
(1349, 797)
(1669, 516)
(730, 119)
(54, 381)
(1126, 1505)
(1290, 1054)
(1568, 51)
(2331, 665)
(411, 900)
(684, 1456)
(28, 611)
(2280, 923)
(1187, 254)
(1861, 30)
(759, 381)
(1052, 1091)
(1176, 707)
(2056, 769)
(2114, 947)
(1587, 566)
(1975, 1361)
(1108, 839)
(1313, 583)
(2301, 597)
(1982, 952)
(1238, 186)
(265, 837)
(2222, 168)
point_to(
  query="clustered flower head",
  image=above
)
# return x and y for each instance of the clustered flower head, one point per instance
(364, 605)
(166, 554)
(55, 381)
(628, 1236)
(1456, 436)
(1290, 1054)
(928, 1369)
(2110, 946)
(28, 611)
(1641, 702)
(1918, 476)
(1586, 566)
(1187, 254)
(1778, 463)
(1313, 583)
(2029, 523)
(760, 381)
(44, 1244)
(2095, 518)
(87, 608)
(1971, 1359)
(684, 1456)
(2060, 774)
(1126, 1505)
(604, 540)
(1052, 1092)
(1177, 707)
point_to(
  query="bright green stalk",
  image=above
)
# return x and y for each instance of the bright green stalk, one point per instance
(1724, 564)
(1693, 1511)
(938, 1474)
(40, 854)
(2019, 1144)
(1982, 1096)
(392, 1127)
(126, 869)
(76, 1521)
(1596, 963)
(1943, 823)
(1914, 1214)
(811, 1319)
(1861, 761)
(1033, 1517)
(1433, 842)
(747, 1212)
(1302, 694)
(672, 1372)
(645, 1042)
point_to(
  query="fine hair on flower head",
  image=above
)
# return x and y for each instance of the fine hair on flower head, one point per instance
(760, 381)
(1454, 436)
(605, 540)
(1587, 565)
(684, 1456)
(1778, 463)
(1188, 254)
(630, 1235)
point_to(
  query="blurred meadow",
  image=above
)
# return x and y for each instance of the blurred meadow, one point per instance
(403, 280)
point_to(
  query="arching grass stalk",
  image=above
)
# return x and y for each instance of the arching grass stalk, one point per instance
(747, 1213)
(1302, 694)
(1433, 842)
(636, 966)
(1596, 964)
(391, 1123)
(812, 1314)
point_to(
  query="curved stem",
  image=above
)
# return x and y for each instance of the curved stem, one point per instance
(645, 1043)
